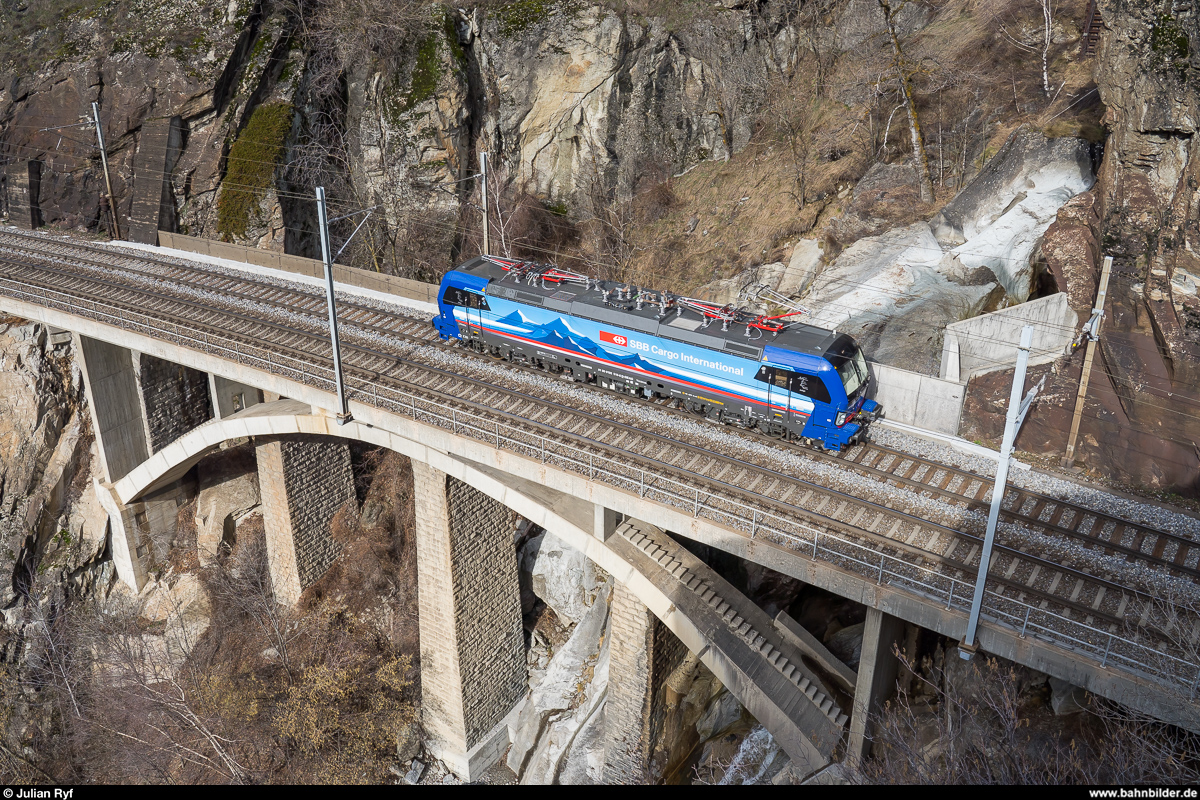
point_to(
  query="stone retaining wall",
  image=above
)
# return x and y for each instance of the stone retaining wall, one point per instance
(176, 399)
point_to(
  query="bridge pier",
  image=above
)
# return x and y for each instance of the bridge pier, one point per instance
(469, 600)
(642, 653)
(138, 405)
(302, 483)
(878, 669)
(606, 523)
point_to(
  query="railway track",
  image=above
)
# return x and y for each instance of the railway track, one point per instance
(1105, 533)
(1112, 535)
(380, 350)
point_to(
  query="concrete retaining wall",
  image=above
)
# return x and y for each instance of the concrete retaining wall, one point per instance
(153, 202)
(389, 284)
(989, 342)
(24, 180)
(915, 399)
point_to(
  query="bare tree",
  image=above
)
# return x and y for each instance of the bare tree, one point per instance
(906, 90)
(240, 585)
(821, 39)
(976, 728)
(1047, 40)
(1041, 46)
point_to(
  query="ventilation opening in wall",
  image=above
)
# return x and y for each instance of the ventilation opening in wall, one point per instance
(239, 402)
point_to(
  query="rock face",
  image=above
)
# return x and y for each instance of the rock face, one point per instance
(997, 220)
(893, 291)
(53, 544)
(588, 99)
(561, 576)
(228, 493)
(574, 102)
(50, 520)
(140, 78)
(567, 706)
(1149, 220)
(1142, 212)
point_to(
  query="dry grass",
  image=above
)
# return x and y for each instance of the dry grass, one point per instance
(975, 87)
(730, 233)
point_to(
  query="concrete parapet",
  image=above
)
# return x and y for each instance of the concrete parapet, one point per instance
(989, 342)
(472, 645)
(364, 279)
(303, 484)
(915, 399)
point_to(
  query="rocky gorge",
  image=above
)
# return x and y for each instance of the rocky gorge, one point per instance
(709, 145)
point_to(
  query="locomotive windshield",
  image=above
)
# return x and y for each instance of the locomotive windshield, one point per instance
(853, 372)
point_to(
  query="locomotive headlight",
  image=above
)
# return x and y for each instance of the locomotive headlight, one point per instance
(841, 419)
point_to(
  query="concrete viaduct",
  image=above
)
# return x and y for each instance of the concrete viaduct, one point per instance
(159, 407)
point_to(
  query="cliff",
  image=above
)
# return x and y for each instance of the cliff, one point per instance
(690, 146)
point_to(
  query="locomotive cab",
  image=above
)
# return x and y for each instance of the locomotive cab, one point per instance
(854, 376)
(460, 290)
(835, 379)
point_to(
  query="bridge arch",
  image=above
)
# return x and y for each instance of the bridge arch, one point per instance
(577, 521)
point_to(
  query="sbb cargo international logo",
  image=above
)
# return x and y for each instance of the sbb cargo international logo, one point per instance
(614, 338)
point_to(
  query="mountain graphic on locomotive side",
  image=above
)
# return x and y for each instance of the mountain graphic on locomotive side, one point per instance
(769, 372)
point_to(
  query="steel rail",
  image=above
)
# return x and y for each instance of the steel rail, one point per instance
(1154, 663)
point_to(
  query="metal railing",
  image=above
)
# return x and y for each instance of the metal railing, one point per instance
(652, 484)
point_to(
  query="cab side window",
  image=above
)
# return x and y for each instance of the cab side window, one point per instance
(454, 296)
(795, 382)
(810, 386)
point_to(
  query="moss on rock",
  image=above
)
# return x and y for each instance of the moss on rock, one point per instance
(425, 74)
(1171, 46)
(516, 17)
(250, 167)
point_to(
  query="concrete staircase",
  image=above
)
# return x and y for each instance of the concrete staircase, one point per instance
(747, 637)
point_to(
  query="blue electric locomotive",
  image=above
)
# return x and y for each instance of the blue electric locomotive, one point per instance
(788, 379)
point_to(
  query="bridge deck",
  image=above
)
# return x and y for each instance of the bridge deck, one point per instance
(393, 377)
